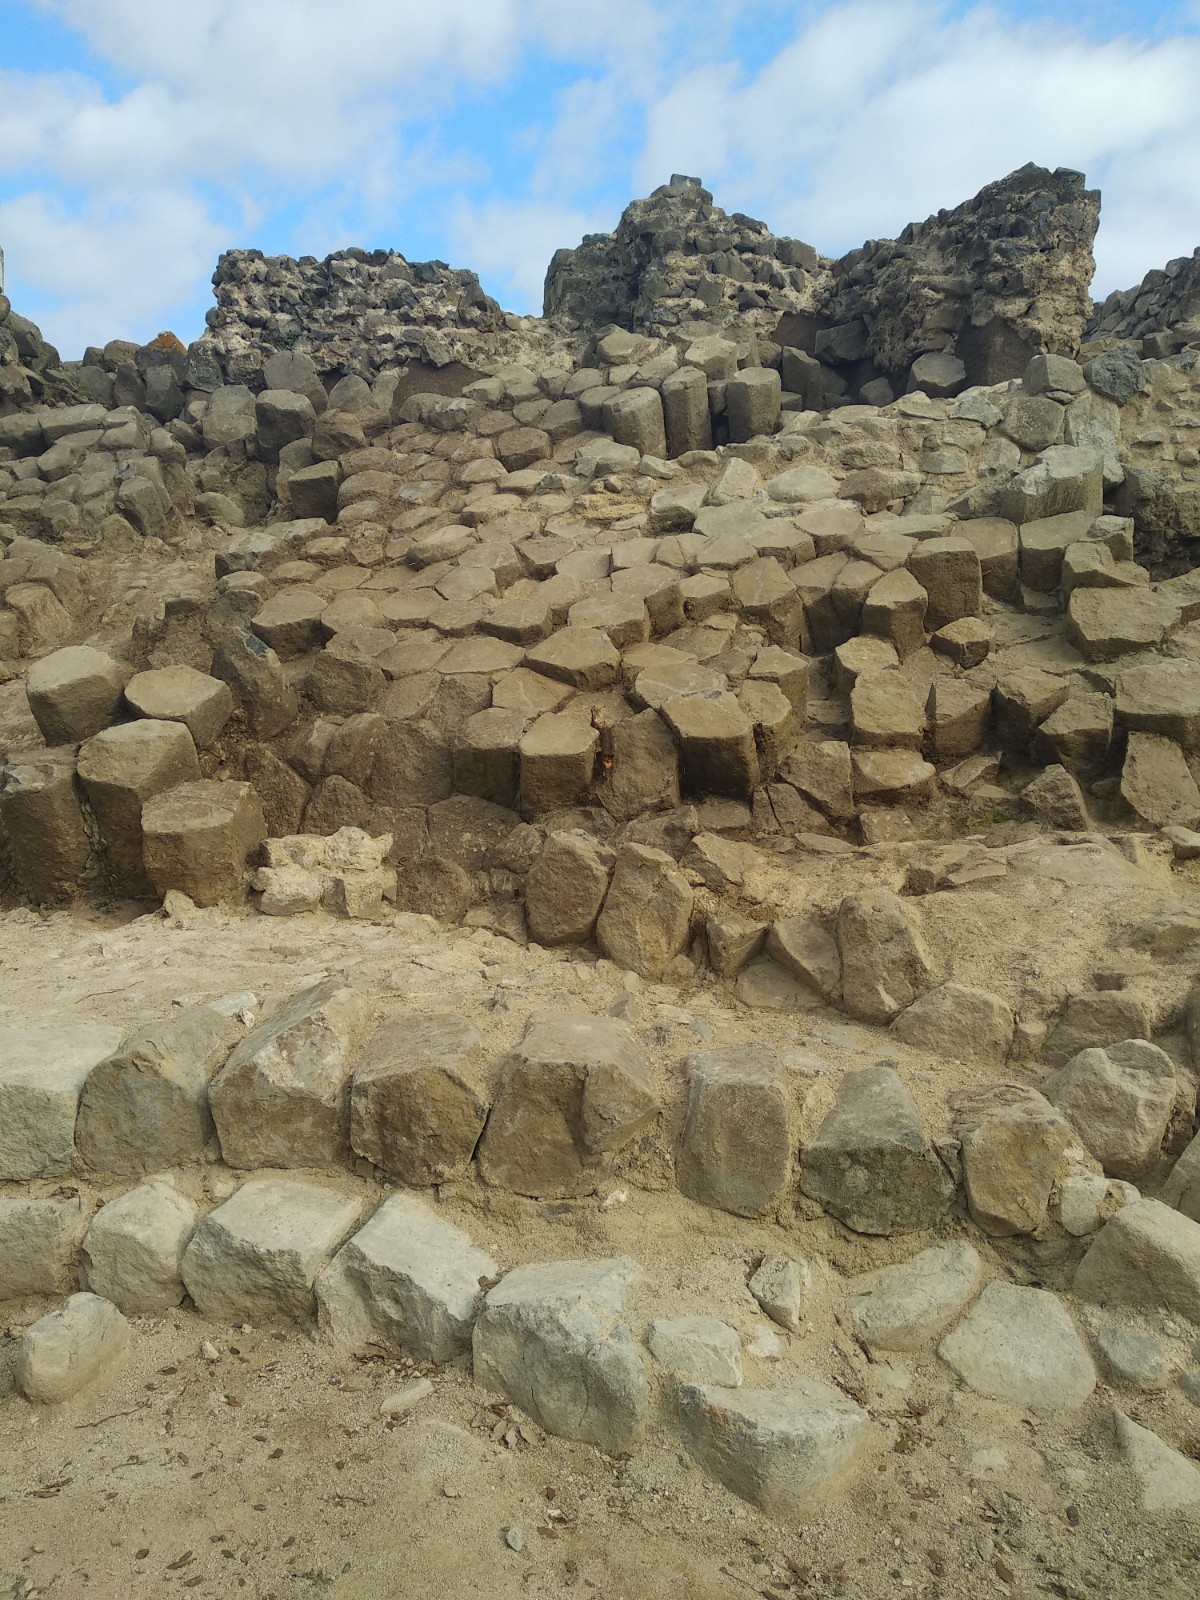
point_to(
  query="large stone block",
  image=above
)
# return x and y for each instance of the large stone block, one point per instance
(558, 757)
(550, 1340)
(203, 838)
(1145, 1257)
(133, 1250)
(739, 1138)
(181, 694)
(752, 403)
(870, 1162)
(420, 1098)
(75, 1347)
(646, 918)
(959, 1021)
(406, 1281)
(905, 1306)
(565, 889)
(786, 1451)
(716, 742)
(283, 1097)
(950, 573)
(43, 823)
(1020, 1346)
(74, 693)
(257, 1256)
(634, 417)
(145, 1106)
(1119, 1099)
(1014, 1144)
(884, 962)
(572, 1095)
(39, 1245)
(121, 769)
(42, 1074)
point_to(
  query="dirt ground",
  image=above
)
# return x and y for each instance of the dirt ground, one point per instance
(272, 1472)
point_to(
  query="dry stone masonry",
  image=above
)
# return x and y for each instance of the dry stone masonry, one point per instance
(777, 681)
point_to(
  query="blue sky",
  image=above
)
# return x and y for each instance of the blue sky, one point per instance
(139, 138)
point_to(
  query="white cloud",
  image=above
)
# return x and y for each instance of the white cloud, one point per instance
(120, 268)
(511, 245)
(338, 119)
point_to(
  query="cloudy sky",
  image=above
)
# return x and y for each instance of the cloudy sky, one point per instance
(140, 138)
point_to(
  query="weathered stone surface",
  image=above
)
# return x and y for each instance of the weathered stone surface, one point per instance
(752, 401)
(74, 693)
(907, 1306)
(571, 1095)
(1157, 784)
(1020, 1346)
(957, 717)
(1119, 1100)
(786, 1451)
(420, 1099)
(737, 1145)
(1162, 697)
(1169, 1481)
(565, 889)
(635, 418)
(74, 1348)
(39, 1245)
(202, 839)
(1022, 701)
(43, 822)
(646, 918)
(42, 1074)
(1078, 734)
(1092, 1019)
(895, 610)
(255, 674)
(783, 1286)
(884, 962)
(698, 1350)
(1056, 799)
(803, 947)
(181, 694)
(716, 741)
(1145, 1256)
(870, 1163)
(550, 1339)
(949, 571)
(1133, 1357)
(283, 1097)
(1104, 624)
(406, 1281)
(822, 773)
(145, 1106)
(121, 769)
(1013, 1146)
(557, 759)
(953, 1019)
(886, 711)
(1182, 1188)
(256, 1257)
(134, 1248)
(644, 775)
(1086, 1200)
(892, 777)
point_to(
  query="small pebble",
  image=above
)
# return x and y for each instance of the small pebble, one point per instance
(209, 1351)
(405, 1399)
(515, 1539)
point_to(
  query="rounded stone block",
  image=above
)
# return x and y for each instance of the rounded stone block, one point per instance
(202, 838)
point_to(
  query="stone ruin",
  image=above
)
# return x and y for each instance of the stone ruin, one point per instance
(734, 625)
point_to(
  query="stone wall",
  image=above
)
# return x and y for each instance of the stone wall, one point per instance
(357, 311)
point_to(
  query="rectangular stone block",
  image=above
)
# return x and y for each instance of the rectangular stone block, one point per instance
(42, 1074)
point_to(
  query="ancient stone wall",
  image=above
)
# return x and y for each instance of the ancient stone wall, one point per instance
(357, 311)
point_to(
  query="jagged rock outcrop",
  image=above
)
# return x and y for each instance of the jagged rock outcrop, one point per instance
(996, 281)
(675, 258)
(1163, 308)
(31, 370)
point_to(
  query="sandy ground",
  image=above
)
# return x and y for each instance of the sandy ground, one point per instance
(271, 1472)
